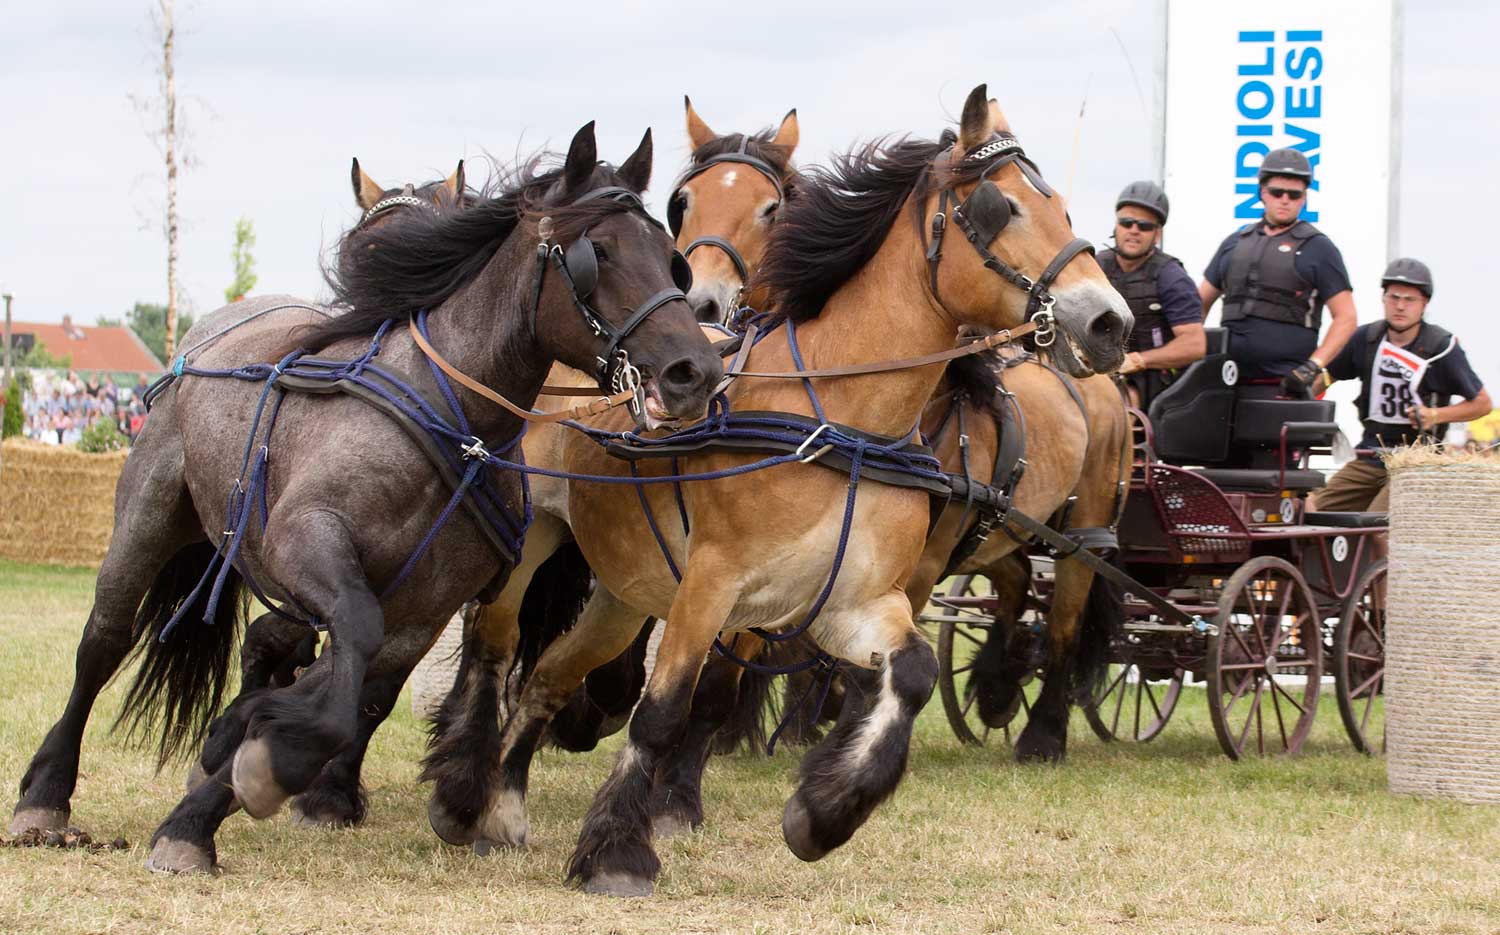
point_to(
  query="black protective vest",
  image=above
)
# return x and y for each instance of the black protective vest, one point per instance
(1430, 341)
(1140, 291)
(1262, 279)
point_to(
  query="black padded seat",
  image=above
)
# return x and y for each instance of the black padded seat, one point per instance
(1259, 421)
(1259, 481)
(1346, 520)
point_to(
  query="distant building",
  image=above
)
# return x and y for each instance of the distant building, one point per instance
(115, 349)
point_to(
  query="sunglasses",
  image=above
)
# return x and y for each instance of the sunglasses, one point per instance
(1132, 224)
(1294, 194)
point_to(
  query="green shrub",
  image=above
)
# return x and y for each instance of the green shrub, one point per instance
(102, 436)
(14, 421)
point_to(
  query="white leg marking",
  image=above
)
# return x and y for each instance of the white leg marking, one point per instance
(887, 710)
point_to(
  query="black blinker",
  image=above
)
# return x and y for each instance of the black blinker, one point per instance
(988, 211)
(583, 266)
(674, 213)
(682, 273)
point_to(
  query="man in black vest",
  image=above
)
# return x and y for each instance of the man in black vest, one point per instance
(1276, 277)
(1410, 369)
(1168, 325)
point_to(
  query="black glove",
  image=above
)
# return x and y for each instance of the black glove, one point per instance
(1299, 383)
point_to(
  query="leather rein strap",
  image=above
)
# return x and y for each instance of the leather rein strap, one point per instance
(979, 346)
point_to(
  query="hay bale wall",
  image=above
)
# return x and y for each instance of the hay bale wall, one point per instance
(56, 503)
(1442, 669)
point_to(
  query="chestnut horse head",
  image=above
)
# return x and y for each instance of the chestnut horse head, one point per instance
(723, 206)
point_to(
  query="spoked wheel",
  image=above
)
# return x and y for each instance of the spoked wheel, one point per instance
(1359, 657)
(1266, 660)
(1134, 704)
(969, 610)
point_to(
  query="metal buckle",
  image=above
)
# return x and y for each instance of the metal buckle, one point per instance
(1046, 327)
(476, 449)
(808, 442)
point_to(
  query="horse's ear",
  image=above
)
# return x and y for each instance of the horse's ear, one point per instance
(788, 133)
(583, 158)
(997, 118)
(454, 184)
(974, 126)
(698, 131)
(366, 192)
(636, 171)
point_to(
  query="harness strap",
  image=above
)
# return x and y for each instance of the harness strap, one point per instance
(728, 249)
(979, 346)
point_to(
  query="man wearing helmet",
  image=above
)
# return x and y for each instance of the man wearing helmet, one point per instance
(1276, 277)
(1410, 369)
(1168, 326)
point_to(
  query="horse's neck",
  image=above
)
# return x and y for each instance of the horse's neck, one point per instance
(484, 331)
(883, 313)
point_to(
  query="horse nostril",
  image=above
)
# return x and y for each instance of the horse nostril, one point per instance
(707, 310)
(682, 376)
(1107, 325)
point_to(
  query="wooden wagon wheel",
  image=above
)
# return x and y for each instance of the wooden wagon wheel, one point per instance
(968, 611)
(1359, 656)
(1134, 704)
(1269, 635)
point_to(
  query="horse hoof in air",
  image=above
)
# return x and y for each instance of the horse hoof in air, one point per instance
(253, 780)
(796, 828)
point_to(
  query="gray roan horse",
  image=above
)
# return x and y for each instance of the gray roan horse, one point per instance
(559, 265)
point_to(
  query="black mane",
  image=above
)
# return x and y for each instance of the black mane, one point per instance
(422, 258)
(841, 217)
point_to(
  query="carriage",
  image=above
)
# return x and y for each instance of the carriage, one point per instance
(1229, 580)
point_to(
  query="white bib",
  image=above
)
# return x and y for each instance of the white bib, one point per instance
(1394, 378)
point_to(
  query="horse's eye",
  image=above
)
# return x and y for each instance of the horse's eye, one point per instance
(599, 253)
(769, 210)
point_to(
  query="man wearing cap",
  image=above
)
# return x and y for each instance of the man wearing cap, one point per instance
(1168, 323)
(1276, 277)
(1409, 369)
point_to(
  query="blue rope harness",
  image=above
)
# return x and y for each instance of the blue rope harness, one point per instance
(465, 453)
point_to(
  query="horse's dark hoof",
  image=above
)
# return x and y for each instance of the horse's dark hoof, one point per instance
(39, 819)
(672, 825)
(618, 884)
(448, 828)
(796, 828)
(254, 784)
(169, 856)
(1035, 749)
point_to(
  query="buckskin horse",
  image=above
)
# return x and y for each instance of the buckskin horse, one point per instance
(852, 271)
(561, 265)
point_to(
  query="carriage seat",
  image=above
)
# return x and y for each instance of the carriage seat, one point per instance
(1191, 419)
(1346, 520)
(1260, 480)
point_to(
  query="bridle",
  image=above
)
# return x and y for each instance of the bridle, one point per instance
(408, 197)
(674, 210)
(578, 265)
(984, 214)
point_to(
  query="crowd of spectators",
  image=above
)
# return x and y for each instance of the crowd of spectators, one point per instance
(57, 408)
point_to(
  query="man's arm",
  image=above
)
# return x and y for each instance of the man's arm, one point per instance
(1188, 344)
(1425, 417)
(1209, 294)
(1341, 324)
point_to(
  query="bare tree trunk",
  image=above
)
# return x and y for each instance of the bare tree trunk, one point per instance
(169, 86)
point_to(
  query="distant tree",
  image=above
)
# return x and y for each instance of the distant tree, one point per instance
(244, 261)
(149, 322)
(14, 421)
(39, 356)
(105, 321)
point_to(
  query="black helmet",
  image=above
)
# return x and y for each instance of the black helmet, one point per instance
(1410, 272)
(1289, 162)
(1146, 195)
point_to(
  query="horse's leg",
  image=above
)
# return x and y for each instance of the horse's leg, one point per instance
(184, 843)
(295, 731)
(860, 762)
(602, 632)
(602, 704)
(336, 798)
(614, 855)
(148, 553)
(464, 748)
(998, 667)
(677, 796)
(273, 650)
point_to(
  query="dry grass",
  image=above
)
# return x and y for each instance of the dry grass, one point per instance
(1168, 837)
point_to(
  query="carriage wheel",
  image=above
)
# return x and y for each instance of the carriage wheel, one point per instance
(1269, 632)
(966, 628)
(1359, 656)
(1133, 705)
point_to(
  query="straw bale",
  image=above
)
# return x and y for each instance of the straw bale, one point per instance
(1442, 674)
(434, 675)
(56, 503)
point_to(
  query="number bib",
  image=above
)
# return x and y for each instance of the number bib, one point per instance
(1394, 378)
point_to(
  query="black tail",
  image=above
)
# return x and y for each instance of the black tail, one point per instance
(757, 711)
(552, 603)
(181, 682)
(1091, 657)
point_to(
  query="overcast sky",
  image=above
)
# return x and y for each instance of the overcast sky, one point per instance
(279, 95)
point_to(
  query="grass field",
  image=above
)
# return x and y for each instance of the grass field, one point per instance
(1168, 837)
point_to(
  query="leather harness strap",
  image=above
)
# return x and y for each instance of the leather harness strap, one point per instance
(987, 343)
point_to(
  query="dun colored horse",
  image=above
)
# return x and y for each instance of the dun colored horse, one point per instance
(562, 265)
(853, 273)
